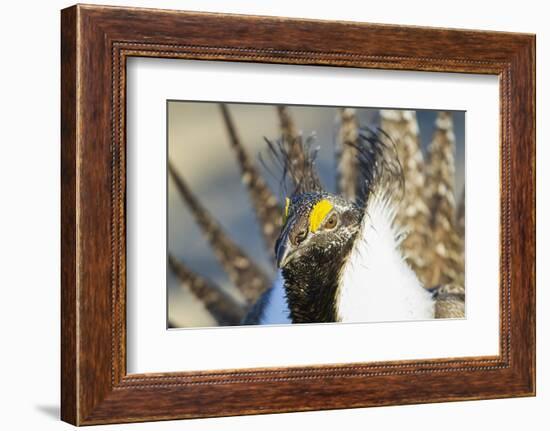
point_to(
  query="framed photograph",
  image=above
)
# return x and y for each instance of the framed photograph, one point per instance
(260, 216)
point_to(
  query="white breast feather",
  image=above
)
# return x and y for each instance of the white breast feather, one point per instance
(376, 283)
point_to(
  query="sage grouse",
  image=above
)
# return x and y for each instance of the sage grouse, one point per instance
(387, 247)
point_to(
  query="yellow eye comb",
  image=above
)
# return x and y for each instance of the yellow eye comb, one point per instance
(318, 214)
(287, 205)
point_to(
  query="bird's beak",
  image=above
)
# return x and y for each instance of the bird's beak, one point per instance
(283, 249)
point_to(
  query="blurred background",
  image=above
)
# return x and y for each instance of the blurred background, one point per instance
(199, 149)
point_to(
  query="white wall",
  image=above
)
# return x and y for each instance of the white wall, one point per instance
(29, 220)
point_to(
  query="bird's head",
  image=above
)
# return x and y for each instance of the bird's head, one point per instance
(317, 227)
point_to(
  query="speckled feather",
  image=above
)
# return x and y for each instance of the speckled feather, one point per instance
(243, 272)
(223, 307)
(266, 205)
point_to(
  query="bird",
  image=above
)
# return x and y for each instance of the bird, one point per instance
(341, 260)
(362, 254)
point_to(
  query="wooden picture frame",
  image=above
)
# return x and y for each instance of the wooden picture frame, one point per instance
(96, 41)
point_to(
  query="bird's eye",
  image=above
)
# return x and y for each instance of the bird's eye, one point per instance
(300, 237)
(331, 222)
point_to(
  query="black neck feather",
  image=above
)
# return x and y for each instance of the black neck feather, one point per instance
(312, 286)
